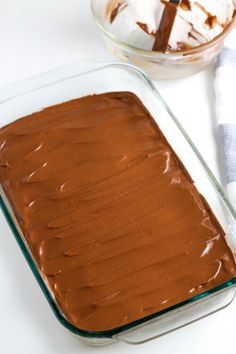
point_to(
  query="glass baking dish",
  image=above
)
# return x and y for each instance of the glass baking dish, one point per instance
(91, 77)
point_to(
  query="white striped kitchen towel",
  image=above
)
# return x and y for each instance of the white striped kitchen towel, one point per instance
(225, 89)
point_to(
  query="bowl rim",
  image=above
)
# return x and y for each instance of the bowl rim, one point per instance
(157, 54)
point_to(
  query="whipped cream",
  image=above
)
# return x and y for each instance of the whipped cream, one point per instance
(204, 21)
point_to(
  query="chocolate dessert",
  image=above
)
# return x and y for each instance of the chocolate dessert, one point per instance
(115, 223)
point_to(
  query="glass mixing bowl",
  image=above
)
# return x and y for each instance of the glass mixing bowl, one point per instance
(159, 65)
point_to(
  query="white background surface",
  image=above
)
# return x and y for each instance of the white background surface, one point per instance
(39, 35)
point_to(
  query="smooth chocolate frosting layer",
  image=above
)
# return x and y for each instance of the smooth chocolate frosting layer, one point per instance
(115, 223)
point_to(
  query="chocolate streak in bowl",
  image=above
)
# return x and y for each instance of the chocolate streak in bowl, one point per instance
(170, 25)
(113, 219)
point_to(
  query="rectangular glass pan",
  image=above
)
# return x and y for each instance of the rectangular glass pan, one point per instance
(91, 77)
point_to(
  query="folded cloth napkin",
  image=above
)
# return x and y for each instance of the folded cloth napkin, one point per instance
(225, 89)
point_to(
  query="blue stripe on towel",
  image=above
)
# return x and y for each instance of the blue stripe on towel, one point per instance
(227, 57)
(228, 139)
